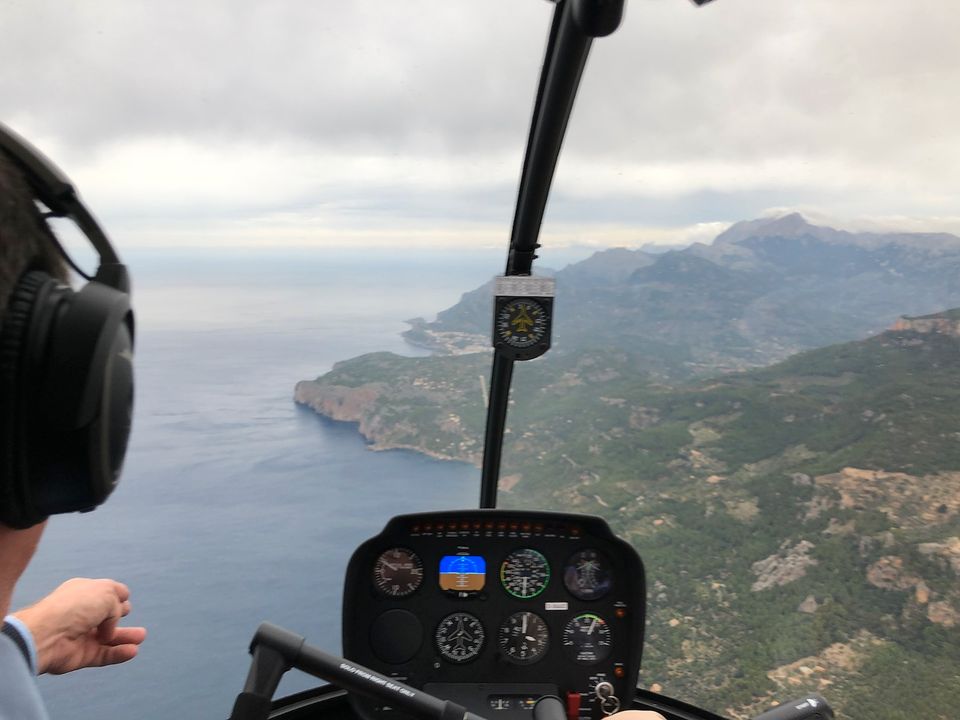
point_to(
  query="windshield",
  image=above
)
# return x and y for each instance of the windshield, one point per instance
(753, 377)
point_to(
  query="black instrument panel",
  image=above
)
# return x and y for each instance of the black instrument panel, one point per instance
(494, 608)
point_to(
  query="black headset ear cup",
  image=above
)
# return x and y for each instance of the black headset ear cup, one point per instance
(88, 394)
(15, 499)
(70, 382)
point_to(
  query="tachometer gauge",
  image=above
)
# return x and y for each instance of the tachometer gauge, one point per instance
(459, 637)
(524, 638)
(588, 575)
(525, 573)
(398, 572)
(587, 639)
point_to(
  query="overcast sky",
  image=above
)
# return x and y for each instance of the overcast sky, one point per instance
(403, 122)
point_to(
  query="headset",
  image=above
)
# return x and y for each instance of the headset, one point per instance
(66, 367)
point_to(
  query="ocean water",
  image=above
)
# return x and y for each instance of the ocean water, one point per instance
(236, 506)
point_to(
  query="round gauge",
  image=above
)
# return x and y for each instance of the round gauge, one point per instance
(525, 573)
(398, 572)
(520, 323)
(586, 639)
(459, 637)
(588, 575)
(524, 638)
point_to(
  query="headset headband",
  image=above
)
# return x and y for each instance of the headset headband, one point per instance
(54, 189)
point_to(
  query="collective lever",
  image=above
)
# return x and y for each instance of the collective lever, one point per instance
(812, 707)
(276, 650)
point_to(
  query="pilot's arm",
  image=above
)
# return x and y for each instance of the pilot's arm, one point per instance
(75, 626)
(637, 715)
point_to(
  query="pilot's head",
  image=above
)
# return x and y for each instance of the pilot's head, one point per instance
(66, 376)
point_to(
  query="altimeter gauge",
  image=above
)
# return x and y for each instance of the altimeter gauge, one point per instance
(587, 639)
(398, 572)
(525, 573)
(459, 637)
(524, 638)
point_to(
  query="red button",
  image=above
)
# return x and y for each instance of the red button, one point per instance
(573, 705)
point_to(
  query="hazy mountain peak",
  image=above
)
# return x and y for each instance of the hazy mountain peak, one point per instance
(792, 225)
(796, 226)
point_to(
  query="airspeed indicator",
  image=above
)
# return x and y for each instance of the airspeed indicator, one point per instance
(525, 573)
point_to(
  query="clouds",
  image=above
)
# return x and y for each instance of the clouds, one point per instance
(351, 119)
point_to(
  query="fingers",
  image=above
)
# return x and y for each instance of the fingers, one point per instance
(116, 654)
(121, 590)
(118, 606)
(128, 636)
(124, 646)
(108, 628)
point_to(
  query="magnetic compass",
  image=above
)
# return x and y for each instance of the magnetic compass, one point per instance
(522, 316)
(521, 322)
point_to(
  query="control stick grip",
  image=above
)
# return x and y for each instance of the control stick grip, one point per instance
(812, 707)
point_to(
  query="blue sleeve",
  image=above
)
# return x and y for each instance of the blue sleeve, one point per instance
(26, 640)
(19, 697)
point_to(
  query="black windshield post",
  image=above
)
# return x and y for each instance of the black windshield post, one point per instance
(500, 378)
(575, 24)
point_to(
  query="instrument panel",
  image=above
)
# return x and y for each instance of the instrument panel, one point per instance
(493, 609)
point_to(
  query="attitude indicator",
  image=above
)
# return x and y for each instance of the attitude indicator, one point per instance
(463, 573)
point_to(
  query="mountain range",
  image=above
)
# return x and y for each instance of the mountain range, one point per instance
(762, 291)
(799, 521)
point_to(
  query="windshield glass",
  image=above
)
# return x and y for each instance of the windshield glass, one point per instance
(754, 368)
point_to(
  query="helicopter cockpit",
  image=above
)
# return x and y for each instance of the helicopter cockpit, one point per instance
(486, 613)
(496, 614)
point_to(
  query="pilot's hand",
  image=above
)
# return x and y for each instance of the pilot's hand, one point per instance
(637, 715)
(75, 626)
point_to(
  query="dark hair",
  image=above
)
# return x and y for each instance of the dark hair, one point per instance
(26, 241)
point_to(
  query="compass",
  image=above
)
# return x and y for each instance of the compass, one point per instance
(522, 316)
(521, 322)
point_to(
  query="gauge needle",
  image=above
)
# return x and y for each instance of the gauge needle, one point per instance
(529, 639)
(523, 628)
(523, 586)
(592, 626)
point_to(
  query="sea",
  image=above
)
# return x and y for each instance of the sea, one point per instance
(237, 506)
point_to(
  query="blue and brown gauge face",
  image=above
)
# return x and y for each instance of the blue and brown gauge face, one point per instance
(525, 573)
(398, 572)
(588, 575)
(524, 638)
(459, 637)
(463, 573)
(521, 323)
(587, 639)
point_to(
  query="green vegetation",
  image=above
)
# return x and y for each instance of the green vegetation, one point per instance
(800, 523)
(762, 550)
